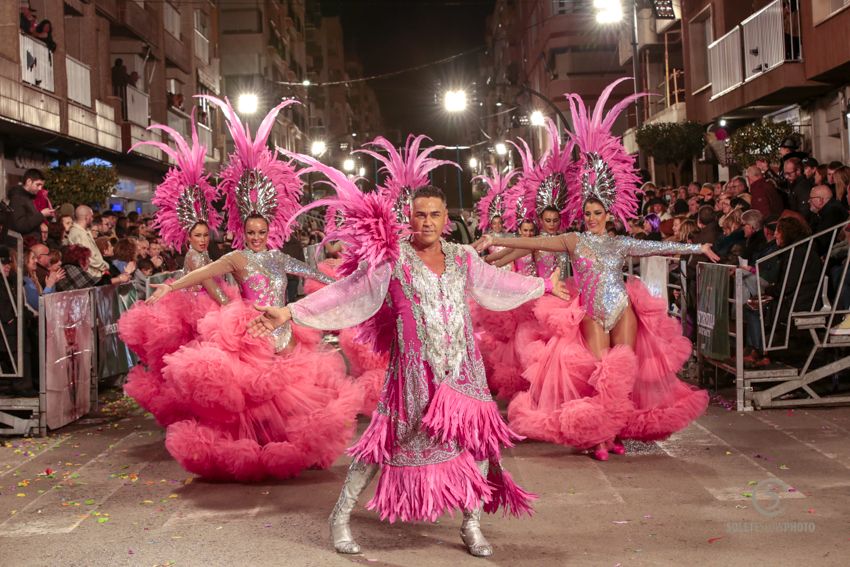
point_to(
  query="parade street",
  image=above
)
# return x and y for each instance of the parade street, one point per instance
(767, 487)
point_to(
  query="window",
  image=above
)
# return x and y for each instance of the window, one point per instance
(824, 9)
(700, 37)
(172, 19)
(241, 21)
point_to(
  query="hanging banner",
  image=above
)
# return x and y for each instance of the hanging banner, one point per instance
(113, 356)
(68, 343)
(713, 311)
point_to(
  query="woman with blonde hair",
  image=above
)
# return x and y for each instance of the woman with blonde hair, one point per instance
(841, 177)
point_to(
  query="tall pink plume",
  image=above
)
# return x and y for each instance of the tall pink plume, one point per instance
(592, 134)
(497, 188)
(407, 169)
(365, 222)
(187, 171)
(555, 160)
(254, 154)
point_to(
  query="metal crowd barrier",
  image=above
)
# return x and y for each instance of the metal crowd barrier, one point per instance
(17, 414)
(801, 374)
(78, 346)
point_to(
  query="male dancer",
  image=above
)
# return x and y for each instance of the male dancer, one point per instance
(436, 433)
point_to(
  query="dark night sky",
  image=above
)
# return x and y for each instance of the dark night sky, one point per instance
(389, 35)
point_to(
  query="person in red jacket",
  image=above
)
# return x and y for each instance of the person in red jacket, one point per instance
(766, 197)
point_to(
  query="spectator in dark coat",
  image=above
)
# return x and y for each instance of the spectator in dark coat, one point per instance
(798, 186)
(766, 198)
(26, 219)
(824, 212)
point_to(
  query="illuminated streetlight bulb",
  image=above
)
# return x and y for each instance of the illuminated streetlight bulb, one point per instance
(501, 149)
(306, 82)
(247, 103)
(473, 163)
(318, 148)
(722, 122)
(537, 118)
(348, 164)
(608, 11)
(362, 172)
(454, 101)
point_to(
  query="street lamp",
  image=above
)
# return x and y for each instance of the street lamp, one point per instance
(454, 101)
(361, 172)
(348, 165)
(537, 118)
(473, 163)
(247, 103)
(318, 148)
(501, 149)
(608, 11)
(306, 83)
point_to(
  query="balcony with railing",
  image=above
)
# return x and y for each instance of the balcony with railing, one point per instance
(205, 137)
(179, 121)
(202, 47)
(36, 63)
(176, 52)
(724, 63)
(79, 82)
(136, 106)
(759, 62)
(771, 37)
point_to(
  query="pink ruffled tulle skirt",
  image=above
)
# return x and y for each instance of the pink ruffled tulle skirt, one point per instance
(254, 413)
(367, 367)
(500, 343)
(574, 399)
(155, 331)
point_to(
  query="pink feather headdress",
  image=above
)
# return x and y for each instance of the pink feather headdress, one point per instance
(255, 181)
(185, 197)
(493, 203)
(604, 169)
(543, 183)
(406, 170)
(365, 222)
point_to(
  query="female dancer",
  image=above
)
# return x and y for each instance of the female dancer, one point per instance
(491, 207)
(184, 215)
(609, 369)
(259, 408)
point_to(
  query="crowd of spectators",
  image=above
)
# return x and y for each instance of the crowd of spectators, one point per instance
(73, 247)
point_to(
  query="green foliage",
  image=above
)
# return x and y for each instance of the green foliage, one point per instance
(671, 142)
(81, 184)
(758, 140)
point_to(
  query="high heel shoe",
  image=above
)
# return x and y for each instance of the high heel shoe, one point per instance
(600, 454)
(617, 447)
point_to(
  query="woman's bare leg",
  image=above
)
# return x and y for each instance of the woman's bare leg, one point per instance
(598, 341)
(623, 333)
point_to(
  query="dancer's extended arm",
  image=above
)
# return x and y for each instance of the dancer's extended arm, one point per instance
(342, 304)
(300, 269)
(637, 247)
(505, 256)
(226, 264)
(560, 243)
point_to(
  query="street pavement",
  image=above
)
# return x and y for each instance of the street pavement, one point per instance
(767, 488)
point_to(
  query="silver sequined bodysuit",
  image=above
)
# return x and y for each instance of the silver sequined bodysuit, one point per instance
(598, 270)
(263, 282)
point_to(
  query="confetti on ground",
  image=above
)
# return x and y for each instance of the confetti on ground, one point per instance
(783, 467)
(620, 522)
(714, 539)
(102, 520)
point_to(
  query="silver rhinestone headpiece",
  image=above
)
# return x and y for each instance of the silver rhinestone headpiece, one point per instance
(256, 195)
(602, 185)
(552, 192)
(192, 207)
(402, 205)
(496, 208)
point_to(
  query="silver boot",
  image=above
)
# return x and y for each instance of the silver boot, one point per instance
(470, 529)
(358, 478)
